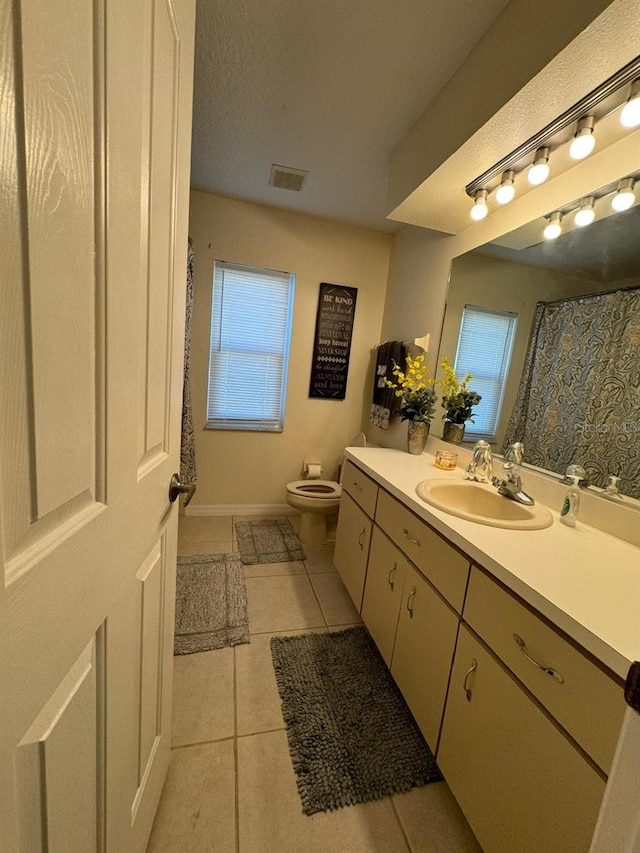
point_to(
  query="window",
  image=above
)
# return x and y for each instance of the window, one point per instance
(484, 350)
(250, 333)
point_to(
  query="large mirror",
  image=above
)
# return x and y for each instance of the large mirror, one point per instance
(567, 314)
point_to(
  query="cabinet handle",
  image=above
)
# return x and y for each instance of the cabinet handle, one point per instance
(356, 486)
(361, 538)
(523, 648)
(410, 598)
(415, 541)
(390, 579)
(472, 668)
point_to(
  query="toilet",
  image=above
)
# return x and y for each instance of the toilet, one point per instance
(315, 499)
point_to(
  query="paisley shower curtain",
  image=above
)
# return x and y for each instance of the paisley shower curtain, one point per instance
(187, 443)
(579, 397)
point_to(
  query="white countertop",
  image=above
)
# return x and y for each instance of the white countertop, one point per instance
(585, 581)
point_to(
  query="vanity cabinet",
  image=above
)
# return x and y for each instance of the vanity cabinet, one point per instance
(523, 722)
(520, 782)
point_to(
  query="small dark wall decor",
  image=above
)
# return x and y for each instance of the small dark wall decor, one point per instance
(332, 342)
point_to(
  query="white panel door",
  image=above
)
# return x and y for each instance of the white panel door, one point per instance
(95, 128)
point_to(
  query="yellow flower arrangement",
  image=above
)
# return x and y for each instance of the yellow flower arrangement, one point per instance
(416, 388)
(457, 400)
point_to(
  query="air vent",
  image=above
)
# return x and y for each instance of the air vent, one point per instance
(286, 178)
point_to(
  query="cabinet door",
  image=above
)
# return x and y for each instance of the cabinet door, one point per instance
(353, 537)
(520, 783)
(383, 592)
(423, 652)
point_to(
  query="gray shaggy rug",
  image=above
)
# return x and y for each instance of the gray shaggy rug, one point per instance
(268, 541)
(211, 603)
(351, 735)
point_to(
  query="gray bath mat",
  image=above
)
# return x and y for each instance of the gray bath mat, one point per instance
(211, 603)
(268, 541)
(351, 736)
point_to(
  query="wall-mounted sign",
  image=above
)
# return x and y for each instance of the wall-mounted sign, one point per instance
(332, 343)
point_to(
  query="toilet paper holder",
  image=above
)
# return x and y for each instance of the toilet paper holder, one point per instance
(312, 470)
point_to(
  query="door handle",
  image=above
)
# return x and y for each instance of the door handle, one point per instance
(391, 577)
(465, 685)
(415, 541)
(176, 488)
(410, 598)
(546, 669)
(361, 538)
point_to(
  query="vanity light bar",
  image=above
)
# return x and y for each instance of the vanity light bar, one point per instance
(584, 115)
(622, 195)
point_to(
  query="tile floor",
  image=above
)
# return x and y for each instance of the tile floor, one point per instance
(231, 786)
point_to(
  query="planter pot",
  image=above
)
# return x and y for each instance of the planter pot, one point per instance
(417, 435)
(453, 432)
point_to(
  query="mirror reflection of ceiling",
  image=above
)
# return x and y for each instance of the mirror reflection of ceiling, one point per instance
(607, 250)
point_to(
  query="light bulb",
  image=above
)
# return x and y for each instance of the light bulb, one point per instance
(554, 228)
(584, 141)
(506, 191)
(585, 213)
(479, 209)
(624, 197)
(630, 115)
(539, 171)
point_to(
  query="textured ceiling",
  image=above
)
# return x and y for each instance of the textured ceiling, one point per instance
(323, 85)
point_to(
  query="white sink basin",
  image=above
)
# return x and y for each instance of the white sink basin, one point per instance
(482, 503)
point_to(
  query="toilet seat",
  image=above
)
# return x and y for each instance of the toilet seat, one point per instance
(321, 490)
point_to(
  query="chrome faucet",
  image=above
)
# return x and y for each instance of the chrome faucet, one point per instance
(511, 486)
(480, 468)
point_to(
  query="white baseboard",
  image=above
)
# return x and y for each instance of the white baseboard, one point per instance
(241, 509)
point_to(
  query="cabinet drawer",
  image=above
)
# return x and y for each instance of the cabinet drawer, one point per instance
(588, 703)
(362, 488)
(447, 569)
(383, 592)
(353, 538)
(521, 784)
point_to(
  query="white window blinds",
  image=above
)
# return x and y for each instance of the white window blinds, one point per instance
(484, 350)
(250, 333)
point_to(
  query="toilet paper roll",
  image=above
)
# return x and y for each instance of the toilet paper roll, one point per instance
(314, 472)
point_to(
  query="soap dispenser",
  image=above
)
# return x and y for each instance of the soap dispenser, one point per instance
(612, 491)
(571, 503)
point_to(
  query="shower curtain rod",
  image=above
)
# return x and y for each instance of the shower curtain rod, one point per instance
(590, 295)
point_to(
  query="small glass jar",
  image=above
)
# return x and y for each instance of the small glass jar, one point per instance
(446, 460)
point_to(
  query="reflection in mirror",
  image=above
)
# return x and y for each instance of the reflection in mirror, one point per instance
(571, 386)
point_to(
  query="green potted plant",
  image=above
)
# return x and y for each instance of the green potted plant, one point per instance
(418, 400)
(458, 402)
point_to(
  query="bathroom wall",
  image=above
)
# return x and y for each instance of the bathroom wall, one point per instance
(252, 468)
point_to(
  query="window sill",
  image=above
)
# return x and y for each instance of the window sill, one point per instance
(250, 427)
